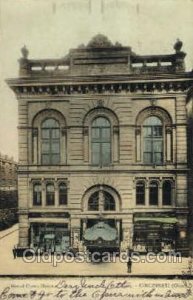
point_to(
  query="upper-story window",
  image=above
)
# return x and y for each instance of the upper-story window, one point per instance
(153, 140)
(50, 194)
(167, 193)
(140, 193)
(63, 194)
(93, 202)
(100, 136)
(49, 142)
(154, 136)
(37, 194)
(101, 141)
(101, 200)
(153, 193)
(50, 146)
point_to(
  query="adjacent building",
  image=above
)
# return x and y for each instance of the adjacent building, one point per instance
(8, 182)
(103, 149)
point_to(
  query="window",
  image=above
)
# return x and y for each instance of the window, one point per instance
(37, 194)
(167, 193)
(63, 195)
(50, 142)
(140, 193)
(109, 202)
(50, 194)
(93, 203)
(153, 140)
(153, 193)
(101, 141)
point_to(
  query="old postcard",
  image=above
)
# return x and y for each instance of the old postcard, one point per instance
(96, 153)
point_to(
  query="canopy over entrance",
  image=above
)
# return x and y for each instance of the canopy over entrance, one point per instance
(101, 230)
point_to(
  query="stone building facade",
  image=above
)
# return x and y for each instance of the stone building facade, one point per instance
(8, 172)
(103, 139)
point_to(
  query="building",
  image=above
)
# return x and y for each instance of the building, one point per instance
(103, 148)
(8, 182)
(8, 192)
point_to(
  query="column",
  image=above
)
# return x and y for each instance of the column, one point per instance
(160, 195)
(115, 148)
(35, 145)
(31, 236)
(168, 144)
(75, 233)
(86, 143)
(138, 144)
(43, 192)
(23, 229)
(63, 147)
(147, 193)
(56, 188)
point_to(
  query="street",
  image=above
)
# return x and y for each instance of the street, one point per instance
(11, 266)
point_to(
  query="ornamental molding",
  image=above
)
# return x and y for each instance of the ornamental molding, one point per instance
(59, 90)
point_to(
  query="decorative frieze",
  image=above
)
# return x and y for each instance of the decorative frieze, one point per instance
(100, 88)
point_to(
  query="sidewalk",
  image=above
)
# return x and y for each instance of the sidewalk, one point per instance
(8, 231)
(11, 266)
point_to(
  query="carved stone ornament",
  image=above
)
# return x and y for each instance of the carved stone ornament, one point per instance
(85, 130)
(35, 132)
(101, 41)
(138, 130)
(169, 130)
(100, 103)
(116, 130)
(64, 131)
(24, 52)
(178, 46)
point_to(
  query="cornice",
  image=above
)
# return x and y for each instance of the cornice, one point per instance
(36, 88)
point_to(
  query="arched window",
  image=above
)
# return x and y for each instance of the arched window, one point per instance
(109, 202)
(103, 201)
(153, 140)
(153, 193)
(50, 194)
(63, 195)
(140, 193)
(167, 193)
(50, 142)
(37, 194)
(101, 141)
(93, 202)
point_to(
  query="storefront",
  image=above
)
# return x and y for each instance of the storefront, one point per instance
(50, 237)
(154, 232)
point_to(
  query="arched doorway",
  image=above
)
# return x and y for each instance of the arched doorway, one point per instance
(100, 226)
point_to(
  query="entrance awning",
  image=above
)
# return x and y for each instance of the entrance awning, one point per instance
(49, 236)
(100, 230)
(171, 220)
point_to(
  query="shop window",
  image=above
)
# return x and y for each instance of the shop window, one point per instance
(50, 142)
(153, 140)
(109, 202)
(63, 195)
(153, 193)
(37, 194)
(140, 193)
(167, 193)
(101, 141)
(50, 194)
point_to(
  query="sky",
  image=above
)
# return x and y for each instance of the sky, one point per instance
(49, 28)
